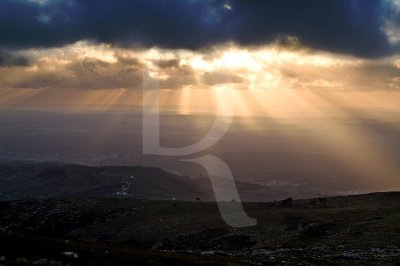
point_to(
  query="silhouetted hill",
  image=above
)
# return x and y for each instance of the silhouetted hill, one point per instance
(20, 180)
(57, 180)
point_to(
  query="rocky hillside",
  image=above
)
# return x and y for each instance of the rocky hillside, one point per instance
(355, 230)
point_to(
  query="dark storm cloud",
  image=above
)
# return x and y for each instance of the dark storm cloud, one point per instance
(8, 59)
(341, 26)
(221, 77)
(172, 63)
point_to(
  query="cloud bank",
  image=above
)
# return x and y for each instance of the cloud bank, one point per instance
(90, 66)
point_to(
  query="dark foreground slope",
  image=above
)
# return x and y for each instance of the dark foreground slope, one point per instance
(357, 230)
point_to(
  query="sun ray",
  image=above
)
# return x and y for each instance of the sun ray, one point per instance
(354, 147)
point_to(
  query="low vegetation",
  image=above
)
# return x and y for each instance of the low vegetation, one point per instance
(355, 230)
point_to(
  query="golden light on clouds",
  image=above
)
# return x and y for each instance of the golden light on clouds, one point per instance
(262, 80)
